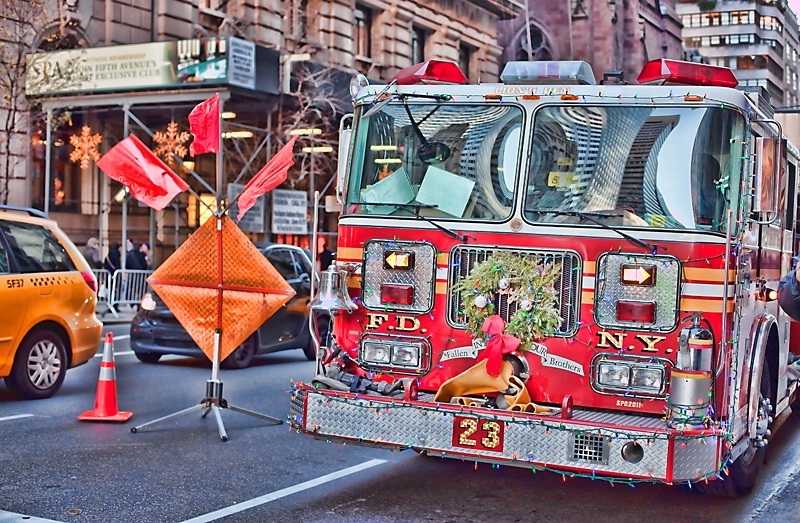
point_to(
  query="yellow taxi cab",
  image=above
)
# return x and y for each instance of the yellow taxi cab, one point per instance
(48, 296)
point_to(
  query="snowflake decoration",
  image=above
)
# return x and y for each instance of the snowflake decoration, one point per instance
(85, 146)
(171, 143)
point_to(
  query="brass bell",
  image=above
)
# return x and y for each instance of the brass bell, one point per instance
(349, 303)
(330, 295)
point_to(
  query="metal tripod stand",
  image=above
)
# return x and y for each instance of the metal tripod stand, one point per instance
(212, 402)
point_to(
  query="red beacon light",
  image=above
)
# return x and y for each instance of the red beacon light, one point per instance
(432, 72)
(665, 71)
(552, 73)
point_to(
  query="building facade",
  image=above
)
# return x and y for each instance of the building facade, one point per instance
(309, 39)
(758, 40)
(613, 35)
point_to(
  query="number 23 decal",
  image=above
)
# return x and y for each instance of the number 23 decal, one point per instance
(473, 433)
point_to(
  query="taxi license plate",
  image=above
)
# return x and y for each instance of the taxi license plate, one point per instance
(478, 434)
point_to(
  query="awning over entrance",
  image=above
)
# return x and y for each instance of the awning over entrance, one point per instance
(223, 61)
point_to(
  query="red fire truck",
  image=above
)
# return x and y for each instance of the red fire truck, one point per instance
(557, 274)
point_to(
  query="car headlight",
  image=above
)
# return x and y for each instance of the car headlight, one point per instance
(378, 353)
(614, 375)
(148, 303)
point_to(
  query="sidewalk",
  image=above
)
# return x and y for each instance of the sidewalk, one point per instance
(125, 314)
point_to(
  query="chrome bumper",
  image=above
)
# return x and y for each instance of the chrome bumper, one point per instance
(589, 443)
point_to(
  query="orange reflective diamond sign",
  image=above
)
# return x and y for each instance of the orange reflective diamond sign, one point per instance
(218, 278)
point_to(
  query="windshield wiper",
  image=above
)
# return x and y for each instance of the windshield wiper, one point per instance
(593, 217)
(383, 99)
(415, 208)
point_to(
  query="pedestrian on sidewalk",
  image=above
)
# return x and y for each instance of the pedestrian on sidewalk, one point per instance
(91, 251)
(112, 262)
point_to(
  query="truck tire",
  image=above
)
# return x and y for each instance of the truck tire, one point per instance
(743, 473)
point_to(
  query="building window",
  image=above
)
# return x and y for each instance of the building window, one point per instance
(363, 31)
(464, 59)
(417, 45)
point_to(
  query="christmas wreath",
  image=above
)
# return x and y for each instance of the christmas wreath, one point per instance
(528, 282)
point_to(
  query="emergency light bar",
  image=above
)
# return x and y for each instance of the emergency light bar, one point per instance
(665, 71)
(572, 72)
(430, 72)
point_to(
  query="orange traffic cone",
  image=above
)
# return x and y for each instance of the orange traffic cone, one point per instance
(105, 404)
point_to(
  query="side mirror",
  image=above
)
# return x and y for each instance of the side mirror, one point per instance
(345, 135)
(767, 174)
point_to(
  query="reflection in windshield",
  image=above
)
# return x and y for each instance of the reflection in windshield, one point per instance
(476, 181)
(675, 167)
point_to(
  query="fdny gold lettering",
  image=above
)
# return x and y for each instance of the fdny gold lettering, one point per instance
(515, 90)
(650, 342)
(611, 338)
(375, 319)
(403, 323)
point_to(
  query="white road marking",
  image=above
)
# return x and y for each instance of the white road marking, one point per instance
(121, 337)
(245, 505)
(13, 517)
(17, 416)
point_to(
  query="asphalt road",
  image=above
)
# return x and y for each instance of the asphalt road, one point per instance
(54, 467)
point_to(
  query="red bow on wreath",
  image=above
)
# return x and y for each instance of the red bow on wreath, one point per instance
(497, 344)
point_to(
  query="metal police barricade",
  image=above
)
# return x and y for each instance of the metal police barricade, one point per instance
(127, 288)
(104, 290)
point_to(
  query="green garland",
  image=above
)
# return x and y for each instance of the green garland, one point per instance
(529, 282)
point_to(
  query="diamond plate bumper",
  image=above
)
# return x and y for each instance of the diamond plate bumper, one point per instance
(528, 440)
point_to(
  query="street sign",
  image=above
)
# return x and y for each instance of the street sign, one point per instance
(289, 212)
(253, 219)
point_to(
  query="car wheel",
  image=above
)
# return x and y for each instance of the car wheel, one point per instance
(148, 357)
(39, 366)
(242, 357)
(323, 326)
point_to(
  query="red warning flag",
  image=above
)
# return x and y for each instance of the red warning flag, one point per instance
(204, 124)
(270, 176)
(149, 179)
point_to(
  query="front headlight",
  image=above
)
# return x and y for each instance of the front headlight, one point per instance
(647, 378)
(614, 375)
(378, 353)
(628, 376)
(401, 354)
(148, 303)
(405, 355)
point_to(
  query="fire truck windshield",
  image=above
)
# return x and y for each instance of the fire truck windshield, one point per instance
(671, 167)
(475, 181)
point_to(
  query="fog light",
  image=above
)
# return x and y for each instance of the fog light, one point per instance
(632, 452)
(405, 355)
(614, 375)
(376, 353)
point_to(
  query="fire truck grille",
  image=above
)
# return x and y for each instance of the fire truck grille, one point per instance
(591, 448)
(464, 259)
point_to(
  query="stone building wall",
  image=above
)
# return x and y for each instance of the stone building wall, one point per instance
(613, 35)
